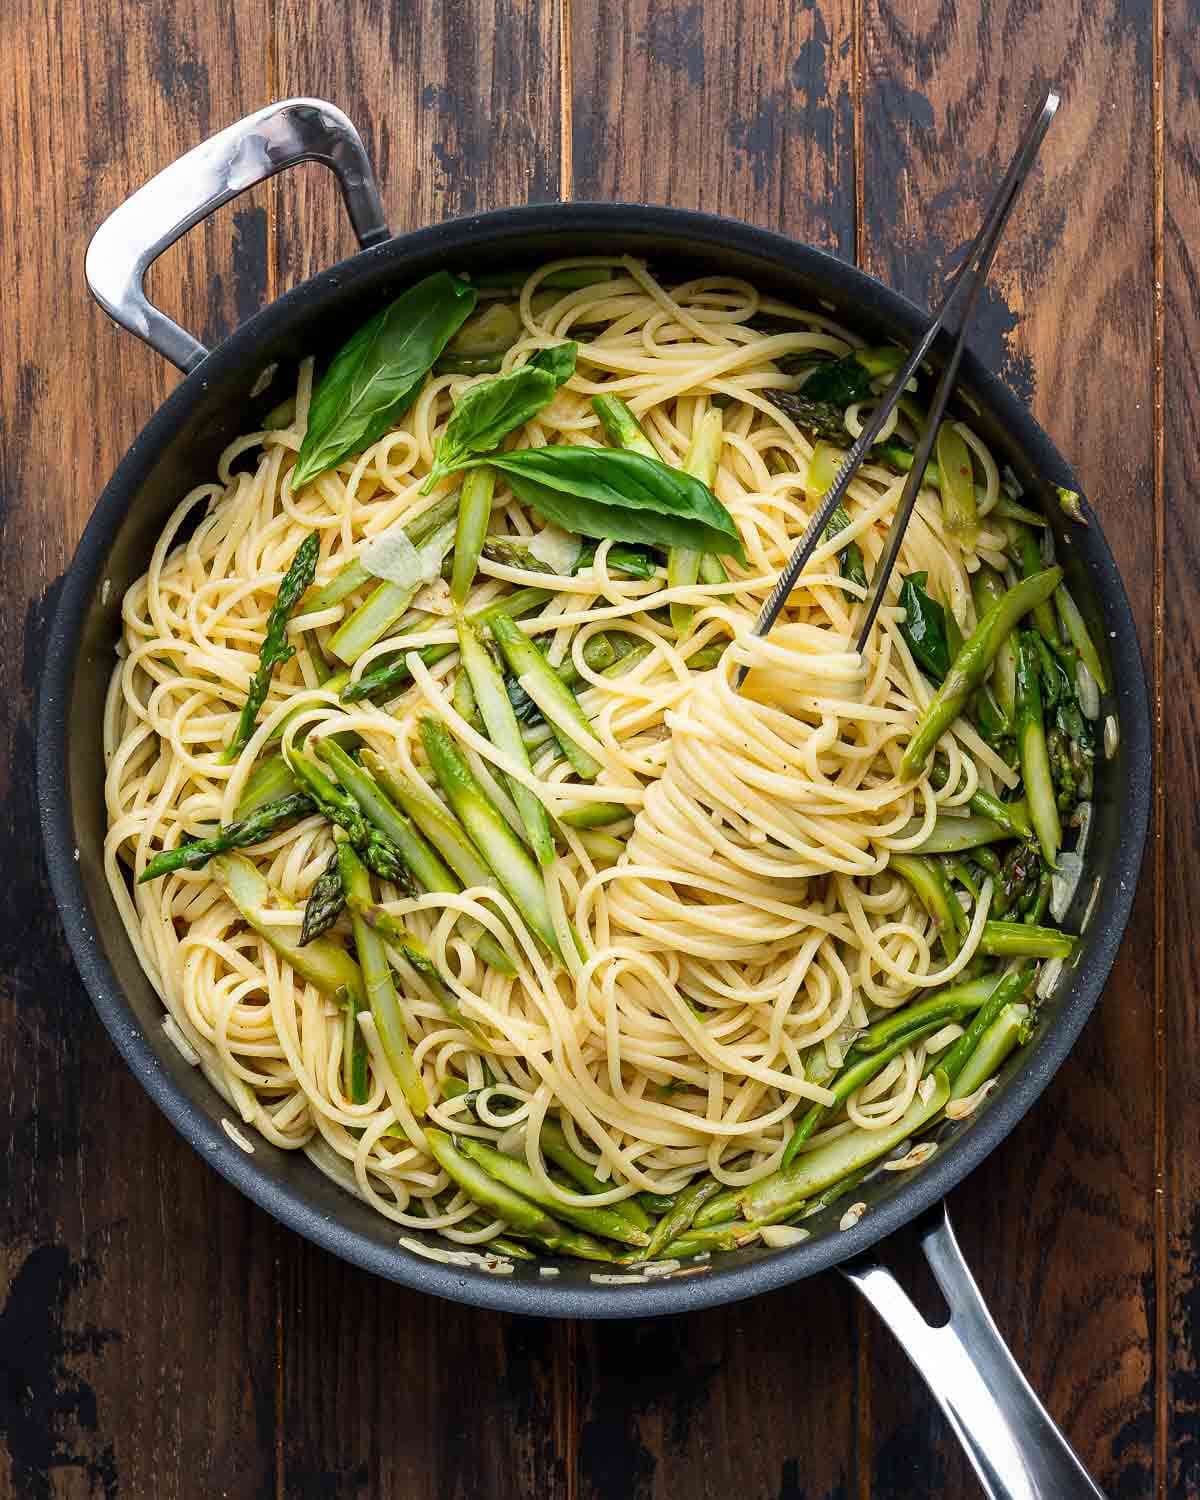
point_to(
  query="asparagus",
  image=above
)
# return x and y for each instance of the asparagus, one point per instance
(1027, 554)
(675, 1224)
(997, 1041)
(377, 981)
(683, 563)
(599, 652)
(782, 1193)
(492, 836)
(595, 814)
(954, 835)
(1041, 901)
(325, 902)
(474, 513)
(515, 1174)
(463, 700)
(1077, 634)
(275, 649)
(929, 884)
(987, 588)
(1022, 940)
(1010, 989)
(1019, 877)
(727, 1236)
(355, 1061)
(353, 576)
(505, 733)
(522, 1216)
(972, 662)
(379, 852)
(439, 826)
(269, 819)
(657, 1203)
(857, 1071)
(547, 689)
(602, 848)
(1013, 817)
(502, 1245)
(959, 511)
(322, 963)
(949, 1004)
(958, 870)
(386, 604)
(271, 779)
(395, 673)
(621, 427)
(556, 1147)
(1035, 761)
(428, 868)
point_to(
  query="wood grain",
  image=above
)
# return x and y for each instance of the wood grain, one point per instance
(741, 107)
(135, 1286)
(1179, 779)
(387, 1392)
(947, 92)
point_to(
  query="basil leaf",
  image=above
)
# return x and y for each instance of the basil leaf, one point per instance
(619, 494)
(376, 376)
(489, 411)
(850, 558)
(924, 627)
(844, 381)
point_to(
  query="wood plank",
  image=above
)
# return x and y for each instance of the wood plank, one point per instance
(1072, 292)
(1179, 762)
(460, 108)
(741, 108)
(738, 107)
(134, 1285)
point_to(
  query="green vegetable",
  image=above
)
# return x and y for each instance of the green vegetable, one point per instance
(388, 602)
(1077, 634)
(683, 563)
(522, 1216)
(972, 662)
(616, 493)
(842, 382)
(514, 1174)
(428, 868)
(1000, 1038)
(1071, 502)
(275, 649)
(1028, 555)
(953, 835)
(377, 375)
(556, 1148)
(850, 558)
(949, 1004)
(727, 1236)
(959, 510)
(491, 835)
(930, 886)
(596, 814)
(325, 903)
(353, 576)
(266, 820)
(394, 674)
(482, 341)
(336, 804)
(270, 779)
(322, 963)
(1031, 746)
(1010, 988)
(1019, 877)
(377, 981)
(355, 1061)
(621, 427)
(474, 514)
(505, 733)
(821, 417)
(486, 413)
(548, 690)
(987, 588)
(675, 1224)
(1022, 940)
(602, 849)
(924, 627)
(435, 821)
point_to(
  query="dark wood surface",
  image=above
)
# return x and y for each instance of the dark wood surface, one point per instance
(161, 1338)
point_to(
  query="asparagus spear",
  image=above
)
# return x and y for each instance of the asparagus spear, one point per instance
(1022, 940)
(1035, 761)
(325, 902)
(353, 576)
(683, 563)
(388, 602)
(929, 884)
(440, 827)
(853, 1075)
(779, 1195)
(474, 513)
(270, 779)
(994, 1045)
(1027, 554)
(378, 851)
(515, 1174)
(602, 848)
(377, 982)
(505, 733)
(957, 483)
(492, 836)
(395, 674)
(556, 1147)
(727, 1236)
(972, 662)
(596, 814)
(269, 819)
(1019, 876)
(1013, 817)
(547, 689)
(1010, 989)
(1077, 634)
(355, 1060)
(275, 649)
(987, 589)
(953, 835)
(949, 1004)
(428, 868)
(519, 1213)
(678, 1222)
(621, 427)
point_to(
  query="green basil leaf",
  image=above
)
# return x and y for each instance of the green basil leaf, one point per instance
(842, 382)
(489, 411)
(377, 375)
(619, 494)
(924, 628)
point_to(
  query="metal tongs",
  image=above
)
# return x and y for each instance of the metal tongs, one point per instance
(955, 313)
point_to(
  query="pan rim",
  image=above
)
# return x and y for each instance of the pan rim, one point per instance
(544, 1296)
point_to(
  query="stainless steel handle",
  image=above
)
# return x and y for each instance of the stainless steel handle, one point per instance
(1015, 1448)
(137, 233)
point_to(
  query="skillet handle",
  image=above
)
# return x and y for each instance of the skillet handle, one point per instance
(137, 233)
(1015, 1448)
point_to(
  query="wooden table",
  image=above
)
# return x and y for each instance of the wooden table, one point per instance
(159, 1337)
